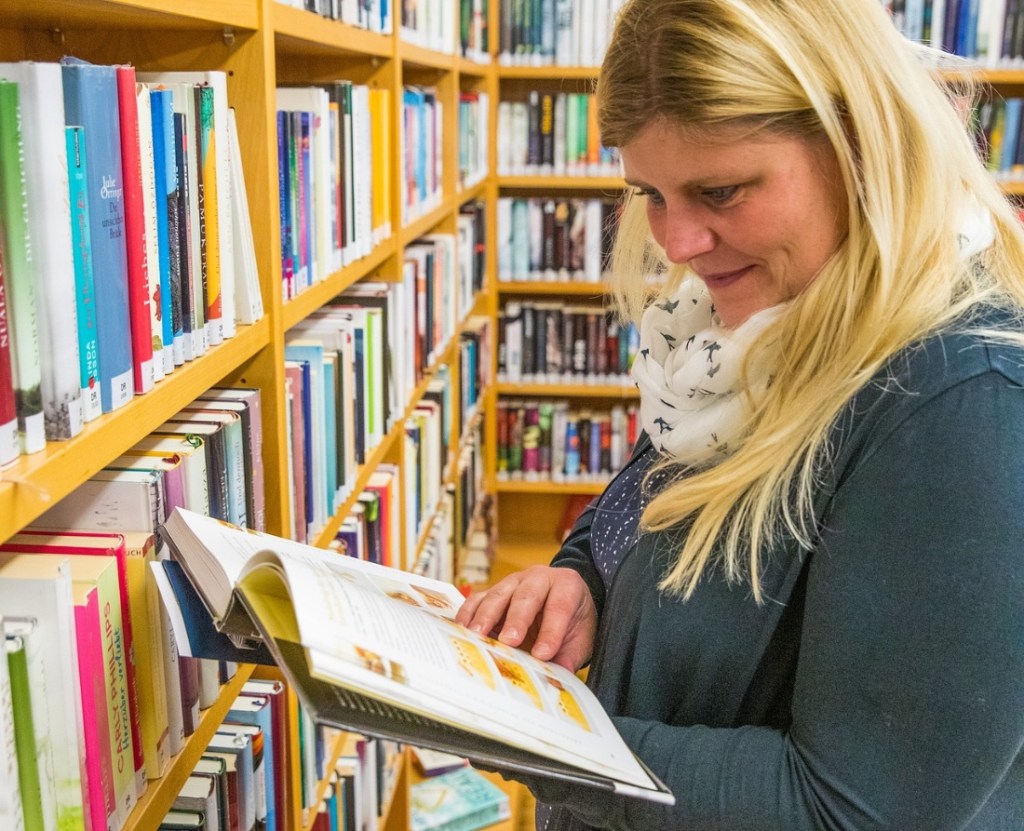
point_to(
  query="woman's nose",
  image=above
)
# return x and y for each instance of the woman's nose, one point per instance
(686, 235)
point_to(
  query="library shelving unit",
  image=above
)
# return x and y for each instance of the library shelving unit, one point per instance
(260, 44)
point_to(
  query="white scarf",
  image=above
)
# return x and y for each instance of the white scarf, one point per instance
(695, 401)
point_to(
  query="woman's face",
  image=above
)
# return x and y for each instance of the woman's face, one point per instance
(753, 216)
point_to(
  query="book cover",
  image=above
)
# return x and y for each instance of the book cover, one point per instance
(206, 166)
(8, 414)
(120, 635)
(147, 158)
(46, 178)
(90, 101)
(19, 276)
(256, 713)
(274, 694)
(165, 168)
(40, 589)
(11, 814)
(198, 794)
(460, 800)
(136, 245)
(236, 751)
(245, 401)
(248, 295)
(220, 161)
(30, 783)
(85, 286)
(365, 633)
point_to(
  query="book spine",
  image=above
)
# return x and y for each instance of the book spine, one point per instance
(90, 99)
(8, 413)
(85, 290)
(163, 181)
(206, 164)
(147, 168)
(19, 276)
(139, 314)
(187, 238)
(49, 222)
(98, 773)
(11, 812)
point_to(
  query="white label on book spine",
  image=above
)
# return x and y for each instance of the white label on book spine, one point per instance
(122, 388)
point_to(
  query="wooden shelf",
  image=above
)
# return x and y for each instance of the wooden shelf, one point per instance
(521, 486)
(540, 181)
(539, 287)
(300, 32)
(548, 73)
(36, 482)
(624, 391)
(61, 15)
(160, 794)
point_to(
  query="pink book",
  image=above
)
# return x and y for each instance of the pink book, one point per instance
(98, 783)
(35, 540)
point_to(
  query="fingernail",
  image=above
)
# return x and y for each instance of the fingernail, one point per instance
(509, 634)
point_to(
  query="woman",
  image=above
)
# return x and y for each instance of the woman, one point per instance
(803, 599)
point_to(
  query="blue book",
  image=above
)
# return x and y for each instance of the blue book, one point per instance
(90, 101)
(88, 340)
(1011, 134)
(256, 710)
(331, 432)
(462, 800)
(285, 205)
(311, 356)
(166, 177)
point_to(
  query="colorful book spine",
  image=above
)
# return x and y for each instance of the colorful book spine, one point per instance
(8, 413)
(49, 222)
(29, 783)
(206, 163)
(147, 167)
(19, 276)
(11, 813)
(100, 793)
(165, 181)
(85, 289)
(90, 101)
(139, 313)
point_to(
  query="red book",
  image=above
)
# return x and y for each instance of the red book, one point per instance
(139, 312)
(8, 416)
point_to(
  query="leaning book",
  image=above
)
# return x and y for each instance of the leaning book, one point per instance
(377, 650)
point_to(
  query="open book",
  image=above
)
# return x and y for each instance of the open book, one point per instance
(376, 650)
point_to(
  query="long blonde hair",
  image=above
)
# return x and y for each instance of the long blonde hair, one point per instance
(812, 68)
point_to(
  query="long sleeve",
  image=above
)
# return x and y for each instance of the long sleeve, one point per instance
(909, 691)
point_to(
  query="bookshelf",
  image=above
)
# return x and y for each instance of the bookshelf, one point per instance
(261, 45)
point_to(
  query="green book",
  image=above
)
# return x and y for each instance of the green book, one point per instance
(18, 275)
(24, 734)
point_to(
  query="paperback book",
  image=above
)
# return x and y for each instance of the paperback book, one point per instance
(377, 650)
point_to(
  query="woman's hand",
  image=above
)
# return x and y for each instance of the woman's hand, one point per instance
(544, 609)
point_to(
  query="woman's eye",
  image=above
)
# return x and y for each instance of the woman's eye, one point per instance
(720, 196)
(653, 197)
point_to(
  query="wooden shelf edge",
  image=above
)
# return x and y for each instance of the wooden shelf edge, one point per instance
(597, 291)
(582, 390)
(547, 72)
(160, 794)
(546, 181)
(36, 482)
(299, 30)
(522, 486)
(131, 14)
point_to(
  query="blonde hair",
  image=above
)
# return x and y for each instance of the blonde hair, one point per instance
(836, 69)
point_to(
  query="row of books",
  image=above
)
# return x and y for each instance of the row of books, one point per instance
(558, 32)
(990, 32)
(1000, 139)
(421, 151)
(334, 189)
(555, 240)
(473, 30)
(430, 24)
(241, 779)
(551, 343)
(474, 366)
(374, 15)
(553, 134)
(360, 786)
(547, 441)
(474, 142)
(351, 366)
(127, 248)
